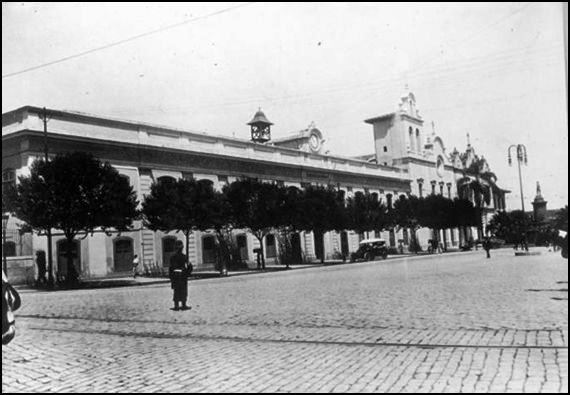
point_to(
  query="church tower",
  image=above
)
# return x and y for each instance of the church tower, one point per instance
(398, 134)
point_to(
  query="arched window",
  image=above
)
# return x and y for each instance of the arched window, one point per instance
(270, 250)
(411, 133)
(419, 141)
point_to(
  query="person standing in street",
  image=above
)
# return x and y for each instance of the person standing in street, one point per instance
(135, 265)
(487, 246)
(178, 272)
(42, 271)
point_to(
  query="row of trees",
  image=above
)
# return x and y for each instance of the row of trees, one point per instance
(79, 195)
(517, 227)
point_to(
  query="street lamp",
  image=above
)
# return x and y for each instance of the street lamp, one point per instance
(5, 218)
(521, 158)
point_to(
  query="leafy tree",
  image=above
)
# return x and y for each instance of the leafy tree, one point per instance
(75, 193)
(254, 206)
(408, 213)
(365, 212)
(179, 205)
(289, 223)
(437, 213)
(513, 227)
(561, 219)
(222, 222)
(323, 210)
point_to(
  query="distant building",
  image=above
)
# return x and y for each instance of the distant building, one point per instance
(406, 160)
(539, 205)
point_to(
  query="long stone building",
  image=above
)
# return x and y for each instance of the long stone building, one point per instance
(407, 159)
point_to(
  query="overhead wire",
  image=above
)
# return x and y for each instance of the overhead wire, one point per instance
(124, 41)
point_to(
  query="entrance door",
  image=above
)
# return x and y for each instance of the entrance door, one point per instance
(344, 243)
(319, 244)
(168, 249)
(296, 246)
(62, 257)
(208, 249)
(123, 255)
(242, 246)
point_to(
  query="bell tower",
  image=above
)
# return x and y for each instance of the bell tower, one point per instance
(260, 128)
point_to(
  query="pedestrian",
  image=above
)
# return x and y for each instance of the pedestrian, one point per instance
(179, 277)
(135, 265)
(41, 264)
(487, 246)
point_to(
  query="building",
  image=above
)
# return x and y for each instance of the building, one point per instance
(406, 160)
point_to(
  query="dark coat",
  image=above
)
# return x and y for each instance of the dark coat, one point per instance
(178, 273)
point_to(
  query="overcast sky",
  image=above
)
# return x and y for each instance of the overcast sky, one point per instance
(495, 71)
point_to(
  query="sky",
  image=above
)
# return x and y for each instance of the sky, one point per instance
(494, 70)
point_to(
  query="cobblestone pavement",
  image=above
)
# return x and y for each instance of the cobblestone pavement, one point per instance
(444, 323)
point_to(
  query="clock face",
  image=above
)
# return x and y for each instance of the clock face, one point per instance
(314, 142)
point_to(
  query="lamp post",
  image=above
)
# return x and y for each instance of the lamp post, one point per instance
(5, 218)
(44, 118)
(521, 158)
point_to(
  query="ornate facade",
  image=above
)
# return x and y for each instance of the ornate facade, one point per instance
(407, 160)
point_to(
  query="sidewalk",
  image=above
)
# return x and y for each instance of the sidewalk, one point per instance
(128, 281)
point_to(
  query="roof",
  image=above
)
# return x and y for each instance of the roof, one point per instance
(259, 117)
(380, 118)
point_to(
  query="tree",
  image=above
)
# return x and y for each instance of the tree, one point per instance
(407, 213)
(561, 219)
(437, 213)
(222, 222)
(464, 215)
(179, 205)
(254, 206)
(75, 193)
(323, 210)
(365, 212)
(289, 223)
(513, 227)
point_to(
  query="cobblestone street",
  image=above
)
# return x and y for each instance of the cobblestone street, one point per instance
(442, 323)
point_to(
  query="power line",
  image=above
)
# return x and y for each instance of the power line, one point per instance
(126, 40)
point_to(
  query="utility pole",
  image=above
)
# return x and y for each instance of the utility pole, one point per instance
(521, 158)
(48, 231)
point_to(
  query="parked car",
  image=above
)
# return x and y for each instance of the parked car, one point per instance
(10, 302)
(369, 249)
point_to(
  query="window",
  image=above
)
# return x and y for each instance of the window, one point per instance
(411, 132)
(166, 179)
(10, 248)
(419, 141)
(8, 178)
(385, 149)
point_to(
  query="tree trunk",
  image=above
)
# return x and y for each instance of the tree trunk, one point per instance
(187, 235)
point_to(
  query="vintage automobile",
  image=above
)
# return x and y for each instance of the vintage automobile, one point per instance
(369, 249)
(10, 302)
